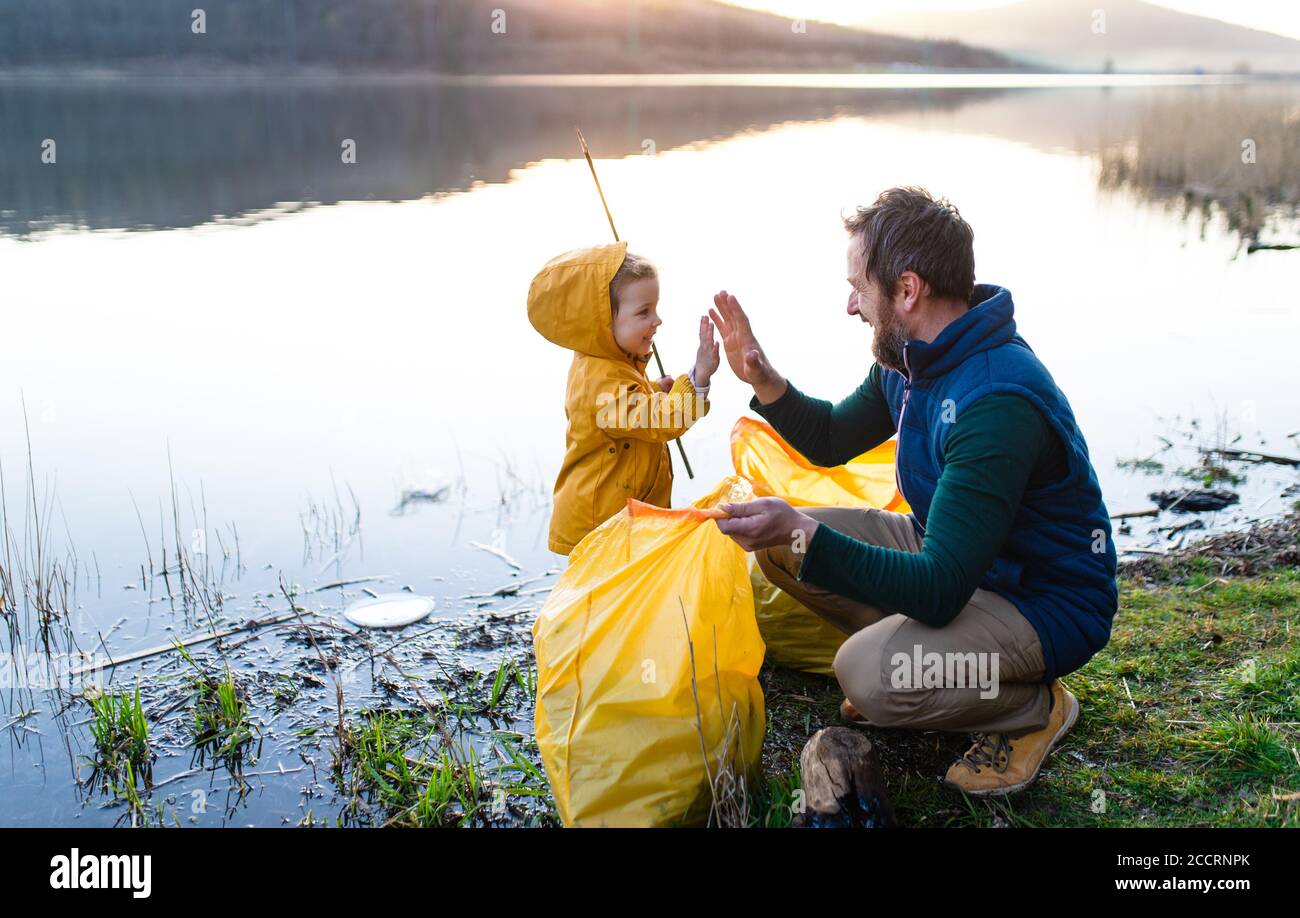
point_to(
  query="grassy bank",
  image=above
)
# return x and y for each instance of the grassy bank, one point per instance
(1190, 716)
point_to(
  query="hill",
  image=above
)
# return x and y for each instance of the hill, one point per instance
(457, 36)
(1138, 37)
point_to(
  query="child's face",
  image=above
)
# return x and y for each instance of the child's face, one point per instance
(637, 317)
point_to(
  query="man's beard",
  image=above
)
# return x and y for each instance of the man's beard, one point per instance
(888, 340)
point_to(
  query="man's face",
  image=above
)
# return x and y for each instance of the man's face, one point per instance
(868, 302)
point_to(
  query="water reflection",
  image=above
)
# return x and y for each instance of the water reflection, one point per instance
(1228, 152)
(381, 349)
(141, 157)
(135, 156)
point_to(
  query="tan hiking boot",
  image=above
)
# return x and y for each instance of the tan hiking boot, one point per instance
(997, 765)
(850, 714)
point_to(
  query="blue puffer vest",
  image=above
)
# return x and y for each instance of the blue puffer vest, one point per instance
(1058, 562)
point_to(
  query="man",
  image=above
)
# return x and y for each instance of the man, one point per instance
(1005, 565)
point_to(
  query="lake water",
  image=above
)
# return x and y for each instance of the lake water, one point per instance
(199, 291)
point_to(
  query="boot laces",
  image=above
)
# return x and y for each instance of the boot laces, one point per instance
(989, 749)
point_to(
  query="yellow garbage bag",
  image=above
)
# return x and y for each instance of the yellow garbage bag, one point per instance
(624, 721)
(797, 637)
(776, 470)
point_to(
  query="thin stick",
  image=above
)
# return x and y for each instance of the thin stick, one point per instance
(492, 550)
(342, 583)
(1247, 455)
(654, 348)
(699, 720)
(1132, 514)
(188, 642)
(592, 166)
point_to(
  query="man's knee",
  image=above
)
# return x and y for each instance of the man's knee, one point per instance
(860, 668)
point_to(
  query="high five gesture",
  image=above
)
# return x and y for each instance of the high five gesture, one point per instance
(744, 353)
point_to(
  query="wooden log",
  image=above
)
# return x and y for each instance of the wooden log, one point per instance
(187, 642)
(843, 785)
(1248, 455)
(1133, 514)
(1194, 500)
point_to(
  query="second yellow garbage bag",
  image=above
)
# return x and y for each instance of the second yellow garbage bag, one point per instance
(777, 470)
(797, 637)
(647, 668)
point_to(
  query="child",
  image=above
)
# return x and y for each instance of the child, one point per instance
(601, 303)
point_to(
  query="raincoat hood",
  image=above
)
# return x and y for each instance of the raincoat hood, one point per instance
(568, 301)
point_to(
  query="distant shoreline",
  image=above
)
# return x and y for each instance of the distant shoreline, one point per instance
(908, 78)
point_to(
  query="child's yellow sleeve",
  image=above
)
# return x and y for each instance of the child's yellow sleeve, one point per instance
(655, 415)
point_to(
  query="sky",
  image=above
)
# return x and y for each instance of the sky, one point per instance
(1280, 16)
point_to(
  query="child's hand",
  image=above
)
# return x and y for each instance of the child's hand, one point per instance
(665, 383)
(706, 358)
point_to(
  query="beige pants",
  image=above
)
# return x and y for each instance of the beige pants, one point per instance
(988, 658)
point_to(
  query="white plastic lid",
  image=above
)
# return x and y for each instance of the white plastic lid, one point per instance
(389, 610)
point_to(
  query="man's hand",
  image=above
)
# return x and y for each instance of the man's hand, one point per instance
(744, 354)
(767, 522)
(665, 383)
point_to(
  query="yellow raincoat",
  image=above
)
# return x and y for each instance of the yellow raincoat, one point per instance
(619, 421)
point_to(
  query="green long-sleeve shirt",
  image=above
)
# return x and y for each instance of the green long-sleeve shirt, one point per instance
(999, 445)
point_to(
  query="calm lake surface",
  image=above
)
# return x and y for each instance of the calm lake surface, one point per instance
(202, 302)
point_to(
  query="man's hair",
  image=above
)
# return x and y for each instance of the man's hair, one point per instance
(634, 267)
(907, 229)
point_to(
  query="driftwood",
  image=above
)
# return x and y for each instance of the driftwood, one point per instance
(1131, 514)
(1171, 531)
(509, 589)
(1246, 455)
(1260, 547)
(842, 783)
(1270, 246)
(493, 550)
(333, 584)
(188, 642)
(1194, 500)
